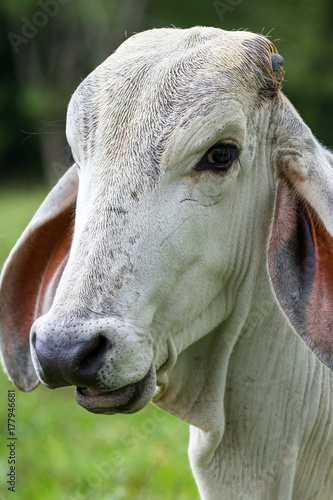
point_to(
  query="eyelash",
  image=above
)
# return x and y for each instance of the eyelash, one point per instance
(219, 158)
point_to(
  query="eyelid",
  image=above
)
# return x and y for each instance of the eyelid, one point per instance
(225, 142)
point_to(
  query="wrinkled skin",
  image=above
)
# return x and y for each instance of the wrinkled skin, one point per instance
(187, 282)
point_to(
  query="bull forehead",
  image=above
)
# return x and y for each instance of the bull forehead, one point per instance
(155, 81)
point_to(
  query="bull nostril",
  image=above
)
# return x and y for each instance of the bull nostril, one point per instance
(88, 363)
(70, 362)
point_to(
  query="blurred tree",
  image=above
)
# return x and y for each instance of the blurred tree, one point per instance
(54, 45)
(51, 45)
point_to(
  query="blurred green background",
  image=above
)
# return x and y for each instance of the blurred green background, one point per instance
(47, 48)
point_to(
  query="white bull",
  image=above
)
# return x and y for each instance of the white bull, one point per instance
(197, 267)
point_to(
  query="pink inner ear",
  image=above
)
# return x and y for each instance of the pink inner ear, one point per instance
(52, 275)
(320, 308)
(28, 287)
(284, 218)
(301, 267)
(31, 274)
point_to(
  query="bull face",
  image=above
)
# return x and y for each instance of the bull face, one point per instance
(163, 223)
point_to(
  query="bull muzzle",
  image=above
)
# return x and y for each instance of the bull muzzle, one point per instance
(111, 367)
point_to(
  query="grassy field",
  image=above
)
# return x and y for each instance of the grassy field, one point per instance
(66, 453)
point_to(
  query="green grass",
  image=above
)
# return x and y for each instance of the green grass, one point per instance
(66, 453)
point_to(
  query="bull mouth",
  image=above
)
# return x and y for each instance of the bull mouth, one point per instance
(128, 399)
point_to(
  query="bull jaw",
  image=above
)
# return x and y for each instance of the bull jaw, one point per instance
(128, 399)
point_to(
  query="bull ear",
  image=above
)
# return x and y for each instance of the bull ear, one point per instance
(30, 276)
(301, 246)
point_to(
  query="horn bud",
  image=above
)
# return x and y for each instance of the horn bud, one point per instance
(277, 62)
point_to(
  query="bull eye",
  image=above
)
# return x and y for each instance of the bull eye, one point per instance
(219, 158)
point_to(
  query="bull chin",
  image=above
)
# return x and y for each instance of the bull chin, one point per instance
(128, 399)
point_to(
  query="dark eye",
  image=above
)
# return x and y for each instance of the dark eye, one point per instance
(219, 158)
